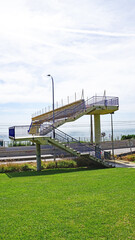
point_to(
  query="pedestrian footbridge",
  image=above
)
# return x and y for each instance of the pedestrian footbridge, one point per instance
(43, 128)
(96, 106)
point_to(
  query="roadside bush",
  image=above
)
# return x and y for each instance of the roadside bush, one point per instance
(66, 164)
(131, 158)
(26, 167)
(129, 136)
(50, 165)
(2, 169)
(59, 164)
(10, 167)
(14, 167)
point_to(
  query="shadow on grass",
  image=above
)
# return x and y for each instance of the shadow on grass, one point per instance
(46, 172)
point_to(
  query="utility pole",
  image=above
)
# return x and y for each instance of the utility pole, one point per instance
(112, 135)
(91, 129)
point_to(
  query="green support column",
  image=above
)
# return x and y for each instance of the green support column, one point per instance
(97, 129)
(38, 154)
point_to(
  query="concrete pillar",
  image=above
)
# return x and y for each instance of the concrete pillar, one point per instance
(97, 129)
(38, 154)
(112, 135)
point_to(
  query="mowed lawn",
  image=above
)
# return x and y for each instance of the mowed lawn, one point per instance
(68, 204)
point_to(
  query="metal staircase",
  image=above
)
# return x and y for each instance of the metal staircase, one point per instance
(42, 126)
(76, 148)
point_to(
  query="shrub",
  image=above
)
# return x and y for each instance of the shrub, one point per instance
(50, 165)
(59, 164)
(10, 167)
(1, 168)
(129, 136)
(66, 164)
(14, 167)
(131, 158)
(25, 167)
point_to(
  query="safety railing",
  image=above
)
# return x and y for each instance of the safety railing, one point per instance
(94, 101)
(79, 108)
(62, 114)
(72, 142)
(22, 131)
(102, 101)
(45, 129)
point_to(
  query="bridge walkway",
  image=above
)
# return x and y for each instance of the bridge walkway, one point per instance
(42, 124)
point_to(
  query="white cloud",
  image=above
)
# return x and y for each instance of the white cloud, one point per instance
(87, 46)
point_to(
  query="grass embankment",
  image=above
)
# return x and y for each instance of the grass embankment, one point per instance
(68, 204)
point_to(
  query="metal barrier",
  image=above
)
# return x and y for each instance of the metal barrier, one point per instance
(102, 101)
(71, 111)
(73, 143)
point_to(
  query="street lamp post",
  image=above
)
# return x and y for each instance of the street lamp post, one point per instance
(49, 75)
(52, 103)
(112, 135)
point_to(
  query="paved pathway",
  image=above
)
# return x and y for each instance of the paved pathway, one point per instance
(121, 164)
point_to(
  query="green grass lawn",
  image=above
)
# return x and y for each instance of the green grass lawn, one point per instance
(68, 204)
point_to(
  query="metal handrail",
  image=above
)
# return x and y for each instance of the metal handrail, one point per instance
(102, 101)
(71, 110)
(68, 140)
(76, 109)
(80, 108)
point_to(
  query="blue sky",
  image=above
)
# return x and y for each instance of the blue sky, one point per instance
(83, 44)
